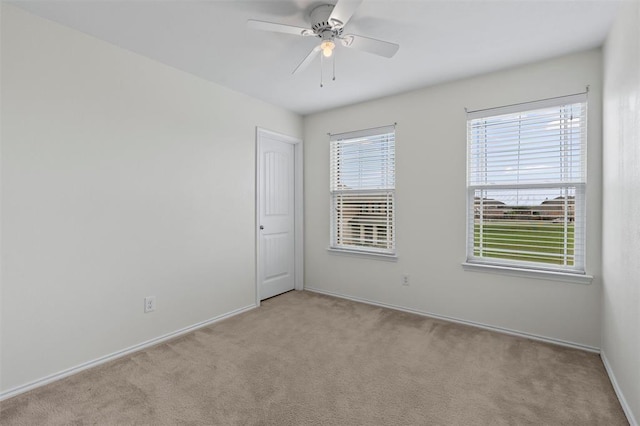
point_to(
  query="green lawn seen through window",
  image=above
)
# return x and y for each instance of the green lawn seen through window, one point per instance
(529, 241)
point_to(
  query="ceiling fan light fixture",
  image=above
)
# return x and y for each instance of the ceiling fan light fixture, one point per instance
(327, 47)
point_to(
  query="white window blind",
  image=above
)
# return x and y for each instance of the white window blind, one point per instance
(362, 186)
(526, 181)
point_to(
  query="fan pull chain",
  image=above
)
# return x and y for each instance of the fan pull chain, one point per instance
(321, 66)
(334, 66)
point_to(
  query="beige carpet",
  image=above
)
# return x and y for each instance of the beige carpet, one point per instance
(304, 359)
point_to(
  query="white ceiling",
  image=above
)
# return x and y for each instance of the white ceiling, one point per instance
(439, 41)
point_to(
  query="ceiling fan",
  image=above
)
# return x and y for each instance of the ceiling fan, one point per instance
(327, 24)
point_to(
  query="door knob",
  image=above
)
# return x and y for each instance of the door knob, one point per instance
(261, 227)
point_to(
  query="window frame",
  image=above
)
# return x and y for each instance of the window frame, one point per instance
(384, 193)
(576, 272)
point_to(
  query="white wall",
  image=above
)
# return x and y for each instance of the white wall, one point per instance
(621, 206)
(121, 178)
(431, 200)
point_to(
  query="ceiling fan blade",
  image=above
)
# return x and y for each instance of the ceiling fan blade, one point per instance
(279, 28)
(370, 45)
(343, 11)
(310, 57)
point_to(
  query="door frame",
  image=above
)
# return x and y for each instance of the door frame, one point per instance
(298, 202)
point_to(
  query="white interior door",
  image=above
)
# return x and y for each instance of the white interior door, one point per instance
(276, 216)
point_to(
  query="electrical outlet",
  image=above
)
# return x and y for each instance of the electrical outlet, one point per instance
(149, 304)
(405, 279)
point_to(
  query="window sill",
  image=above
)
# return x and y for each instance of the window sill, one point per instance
(529, 273)
(363, 254)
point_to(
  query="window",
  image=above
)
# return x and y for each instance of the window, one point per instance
(362, 170)
(526, 178)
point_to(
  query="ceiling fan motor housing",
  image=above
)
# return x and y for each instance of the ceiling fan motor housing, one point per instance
(322, 26)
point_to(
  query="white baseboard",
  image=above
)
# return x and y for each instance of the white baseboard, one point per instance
(461, 321)
(619, 394)
(118, 354)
